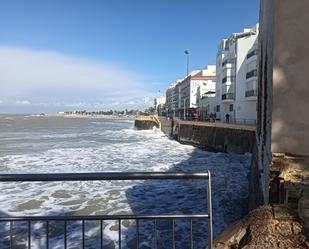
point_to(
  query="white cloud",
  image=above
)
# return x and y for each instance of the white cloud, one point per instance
(131, 102)
(54, 80)
(22, 102)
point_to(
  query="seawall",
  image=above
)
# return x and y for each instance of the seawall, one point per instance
(215, 136)
(146, 122)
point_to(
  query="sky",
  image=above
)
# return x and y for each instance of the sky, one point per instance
(64, 55)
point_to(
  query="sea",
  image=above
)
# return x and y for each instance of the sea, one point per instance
(54, 144)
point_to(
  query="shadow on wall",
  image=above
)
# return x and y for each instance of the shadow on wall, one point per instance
(289, 125)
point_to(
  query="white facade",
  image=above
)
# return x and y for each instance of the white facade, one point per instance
(193, 87)
(207, 104)
(159, 104)
(169, 97)
(236, 72)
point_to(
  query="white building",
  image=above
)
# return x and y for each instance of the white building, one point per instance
(192, 88)
(172, 97)
(169, 97)
(159, 104)
(236, 77)
(207, 105)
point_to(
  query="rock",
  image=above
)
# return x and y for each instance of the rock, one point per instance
(297, 228)
(284, 228)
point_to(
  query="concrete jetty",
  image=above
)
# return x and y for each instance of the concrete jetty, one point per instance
(143, 122)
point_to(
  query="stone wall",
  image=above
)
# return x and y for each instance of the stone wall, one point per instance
(214, 138)
(145, 124)
(290, 101)
(265, 82)
(283, 103)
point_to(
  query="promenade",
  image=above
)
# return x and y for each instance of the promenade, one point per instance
(218, 124)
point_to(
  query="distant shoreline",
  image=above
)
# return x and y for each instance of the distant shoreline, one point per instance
(116, 117)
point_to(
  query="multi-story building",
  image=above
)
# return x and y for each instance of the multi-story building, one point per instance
(207, 105)
(236, 72)
(172, 98)
(169, 97)
(159, 104)
(193, 87)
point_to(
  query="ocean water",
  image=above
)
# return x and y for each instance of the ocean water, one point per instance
(32, 144)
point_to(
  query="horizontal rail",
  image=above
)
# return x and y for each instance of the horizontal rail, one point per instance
(104, 217)
(99, 176)
(109, 176)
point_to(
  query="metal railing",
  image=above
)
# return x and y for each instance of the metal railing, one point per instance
(251, 74)
(227, 96)
(251, 93)
(110, 176)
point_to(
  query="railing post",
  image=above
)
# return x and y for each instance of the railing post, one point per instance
(210, 231)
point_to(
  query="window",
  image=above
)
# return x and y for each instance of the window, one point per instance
(218, 108)
(231, 107)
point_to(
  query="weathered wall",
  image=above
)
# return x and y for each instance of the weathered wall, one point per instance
(290, 116)
(283, 103)
(216, 138)
(265, 82)
(145, 124)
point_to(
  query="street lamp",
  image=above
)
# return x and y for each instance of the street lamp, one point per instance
(184, 108)
(187, 54)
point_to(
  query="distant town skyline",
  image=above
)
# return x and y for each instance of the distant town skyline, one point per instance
(101, 55)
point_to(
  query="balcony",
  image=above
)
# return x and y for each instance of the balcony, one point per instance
(228, 96)
(251, 93)
(251, 54)
(228, 61)
(251, 74)
(228, 78)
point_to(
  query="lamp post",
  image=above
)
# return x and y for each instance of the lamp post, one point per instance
(184, 101)
(188, 58)
(184, 109)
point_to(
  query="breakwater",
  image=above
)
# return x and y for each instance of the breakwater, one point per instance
(146, 122)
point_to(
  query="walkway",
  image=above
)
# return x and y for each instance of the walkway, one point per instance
(218, 124)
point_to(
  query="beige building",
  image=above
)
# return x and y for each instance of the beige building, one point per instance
(283, 102)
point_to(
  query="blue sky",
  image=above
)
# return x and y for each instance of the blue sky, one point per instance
(110, 40)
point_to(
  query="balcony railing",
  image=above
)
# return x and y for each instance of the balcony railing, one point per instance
(251, 93)
(228, 96)
(228, 61)
(251, 74)
(30, 221)
(251, 54)
(228, 78)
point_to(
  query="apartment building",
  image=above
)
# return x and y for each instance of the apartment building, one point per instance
(192, 88)
(183, 96)
(236, 77)
(159, 104)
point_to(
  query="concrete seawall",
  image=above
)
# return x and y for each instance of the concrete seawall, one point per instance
(146, 122)
(215, 137)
